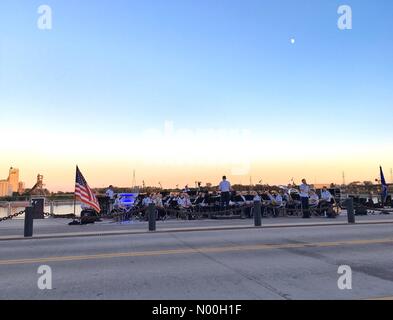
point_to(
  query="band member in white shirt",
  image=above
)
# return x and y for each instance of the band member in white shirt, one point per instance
(157, 200)
(285, 195)
(169, 200)
(278, 199)
(326, 195)
(111, 195)
(326, 203)
(147, 201)
(184, 201)
(184, 204)
(225, 189)
(290, 204)
(275, 202)
(304, 197)
(257, 197)
(314, 199)
(198, 201)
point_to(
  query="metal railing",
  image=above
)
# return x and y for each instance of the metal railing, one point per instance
(54, 207)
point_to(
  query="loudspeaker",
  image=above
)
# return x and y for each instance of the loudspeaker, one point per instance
(38, 208)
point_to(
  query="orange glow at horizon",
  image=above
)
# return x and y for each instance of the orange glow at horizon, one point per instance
(199, 160)
(58, 177)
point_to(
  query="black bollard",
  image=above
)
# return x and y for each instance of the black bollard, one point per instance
(257, 214)
(243, 213)
(29, 212)
(151, 213)
(350, 211)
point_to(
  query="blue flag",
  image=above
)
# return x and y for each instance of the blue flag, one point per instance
(384, 186)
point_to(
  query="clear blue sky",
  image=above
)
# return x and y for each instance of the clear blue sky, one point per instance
(200, 63)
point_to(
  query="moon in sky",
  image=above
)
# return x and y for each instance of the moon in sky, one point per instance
(293, 40)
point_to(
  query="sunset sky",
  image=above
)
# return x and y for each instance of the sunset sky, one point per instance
(187, 90)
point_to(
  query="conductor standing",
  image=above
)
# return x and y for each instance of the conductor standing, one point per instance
(304, 196)
(111, 195)
(225, 188)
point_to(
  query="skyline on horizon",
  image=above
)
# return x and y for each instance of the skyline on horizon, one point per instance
(191, 184)
(185, 91)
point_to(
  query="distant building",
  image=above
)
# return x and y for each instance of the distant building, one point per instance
(321, 185)
(12, 184)
(5, 188)
(38, 189)
(13, 179)
(21, 187)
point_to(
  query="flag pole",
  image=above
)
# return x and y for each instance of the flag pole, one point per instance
(384, 188)
(75, 196)
(74, 205)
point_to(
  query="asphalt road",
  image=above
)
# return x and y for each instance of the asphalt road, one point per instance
(282, 263)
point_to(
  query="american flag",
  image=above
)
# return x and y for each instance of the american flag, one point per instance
(83, 192)
(384, 186)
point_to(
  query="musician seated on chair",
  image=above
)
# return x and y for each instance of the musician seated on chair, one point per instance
(293, 202)
(257, 197)
(171, 201)
(290, 204)
(184, 201)
(286, 197)
(185, 206)
(198, 201)
(237, 199)
(314, 198)
(275, 202)
(157, 200)
(147, 200)
(326, 195)
(278, 200)
(326, 203)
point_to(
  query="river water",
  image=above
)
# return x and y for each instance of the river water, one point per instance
(63, 208)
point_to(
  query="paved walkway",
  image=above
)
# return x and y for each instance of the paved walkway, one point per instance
(59, 228)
